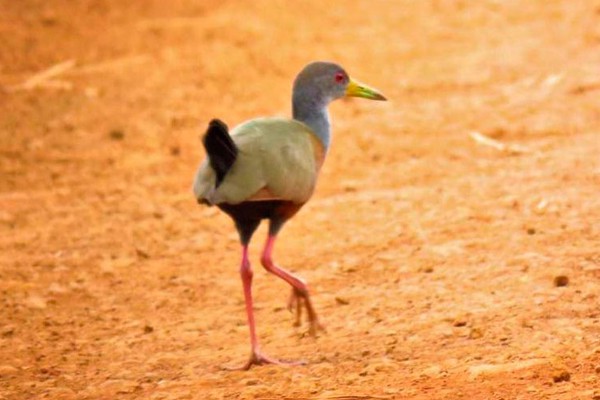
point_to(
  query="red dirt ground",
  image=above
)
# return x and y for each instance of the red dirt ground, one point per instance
(432, 257)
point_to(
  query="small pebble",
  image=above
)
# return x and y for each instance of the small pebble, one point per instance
(116, 134)
(49, 19)
(148, 329)
(561, 280)
(561, 376)
(475, 333)
(341, 301)
(459, 322)
(7, 331)
(141, 253)
(36, 302)
(8, 370)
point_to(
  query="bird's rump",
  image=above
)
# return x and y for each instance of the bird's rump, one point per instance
(277, 158)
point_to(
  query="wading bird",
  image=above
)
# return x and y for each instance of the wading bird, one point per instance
(267, 168)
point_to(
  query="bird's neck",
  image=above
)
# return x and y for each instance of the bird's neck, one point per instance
(311, 109)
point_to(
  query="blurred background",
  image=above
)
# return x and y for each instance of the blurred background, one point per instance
(452, 243)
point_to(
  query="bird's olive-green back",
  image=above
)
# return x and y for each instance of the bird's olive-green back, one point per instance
(275, 154)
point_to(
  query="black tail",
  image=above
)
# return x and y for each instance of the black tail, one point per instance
(220, 148)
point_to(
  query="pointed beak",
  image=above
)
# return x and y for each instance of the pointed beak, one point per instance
(357, 89)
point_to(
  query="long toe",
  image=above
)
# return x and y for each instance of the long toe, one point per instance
(315, 327)
(295, 304)
(257, 358)
(298, 301)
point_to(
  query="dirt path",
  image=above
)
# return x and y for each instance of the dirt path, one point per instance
(434, 258)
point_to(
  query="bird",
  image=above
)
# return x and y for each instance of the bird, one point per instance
(267, 168)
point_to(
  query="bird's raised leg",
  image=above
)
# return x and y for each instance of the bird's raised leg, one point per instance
(300, 295)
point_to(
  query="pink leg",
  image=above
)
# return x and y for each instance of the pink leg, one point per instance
(299, 288)
(256, 357)
(247, 275)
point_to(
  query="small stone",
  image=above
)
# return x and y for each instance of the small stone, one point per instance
(341, 301)
(141, 253)
(598, 369)
(7, 331)
(459, 322)
(148, 329)
(36, 302)
(8, 370)
(525, 323)
(475, 333)
(116, 134)
(251, 382)
(561, 376)
(351, 185)
(433, 371)
(531, 231)
(561, 280)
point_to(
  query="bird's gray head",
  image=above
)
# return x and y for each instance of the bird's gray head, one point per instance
(323, 82)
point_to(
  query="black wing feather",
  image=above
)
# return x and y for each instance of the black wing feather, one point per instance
(220, 148)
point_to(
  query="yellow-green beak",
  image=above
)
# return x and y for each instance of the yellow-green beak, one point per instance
(357, 89)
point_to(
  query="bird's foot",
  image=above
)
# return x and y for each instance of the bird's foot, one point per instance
(315, 327)
(300, 299)
(257, 358)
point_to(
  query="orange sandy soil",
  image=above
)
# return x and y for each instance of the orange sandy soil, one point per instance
(432, 257)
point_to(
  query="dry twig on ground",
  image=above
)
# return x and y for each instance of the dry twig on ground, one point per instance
(496, 144)
(44, 78)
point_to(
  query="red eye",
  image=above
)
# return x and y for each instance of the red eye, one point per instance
(340, 77)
